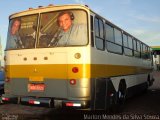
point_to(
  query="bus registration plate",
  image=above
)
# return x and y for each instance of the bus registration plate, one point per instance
(36, 87)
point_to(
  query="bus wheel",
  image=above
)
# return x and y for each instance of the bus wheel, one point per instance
(121, 94)
(150, 81)
(111, 99)
(113, 104)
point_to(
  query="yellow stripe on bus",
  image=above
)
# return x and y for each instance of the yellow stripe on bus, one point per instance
(64, 71)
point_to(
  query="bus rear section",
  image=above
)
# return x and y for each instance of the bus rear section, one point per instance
(46, 66)
(45, 63)
(53, 85)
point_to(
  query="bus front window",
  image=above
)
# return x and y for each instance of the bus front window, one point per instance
(63, 28)
(22, 32)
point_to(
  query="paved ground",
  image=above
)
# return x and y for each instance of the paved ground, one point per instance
(146, 103)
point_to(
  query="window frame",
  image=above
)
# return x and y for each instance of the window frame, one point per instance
(127, 47)
(99, 32)
(135, 48)
(113, 42)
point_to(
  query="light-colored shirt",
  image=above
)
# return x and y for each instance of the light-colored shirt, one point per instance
(11, 42)
(76, 35)
(14, 42)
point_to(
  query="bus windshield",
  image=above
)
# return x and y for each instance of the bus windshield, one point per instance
(55, 29)
(22, 32)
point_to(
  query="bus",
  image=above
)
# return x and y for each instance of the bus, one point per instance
(98, 67)
(156, 57)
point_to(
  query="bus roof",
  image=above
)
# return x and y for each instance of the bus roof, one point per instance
(48, 8)
(52, 7)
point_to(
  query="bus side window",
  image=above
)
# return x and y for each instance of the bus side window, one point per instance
(145, 52)
(92, 32)
(113, 39)
(130, 44)
(127, 50)
(139, 49)
(136, 48)
(99, 33)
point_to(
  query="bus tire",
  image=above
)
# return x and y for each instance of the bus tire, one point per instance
(113, 104)
(150, 80)
(121, 95)
(111, 99)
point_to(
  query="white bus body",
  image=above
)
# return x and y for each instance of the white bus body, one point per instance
(93, 75)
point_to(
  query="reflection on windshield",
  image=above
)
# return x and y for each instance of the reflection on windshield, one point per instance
(63, 29)
(22, 33)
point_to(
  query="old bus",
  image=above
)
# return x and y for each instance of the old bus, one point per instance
(97, 68)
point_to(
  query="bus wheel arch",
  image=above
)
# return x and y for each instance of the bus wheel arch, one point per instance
(122, 92)
(150, 80)
(111, 100)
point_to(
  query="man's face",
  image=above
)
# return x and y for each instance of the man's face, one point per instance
(15, 27)
(65, 22)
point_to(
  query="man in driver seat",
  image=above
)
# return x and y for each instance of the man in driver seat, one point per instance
(69, 33)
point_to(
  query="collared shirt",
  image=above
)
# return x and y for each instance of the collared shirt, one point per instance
(11, 42)
(76, 35)
(14, 41)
